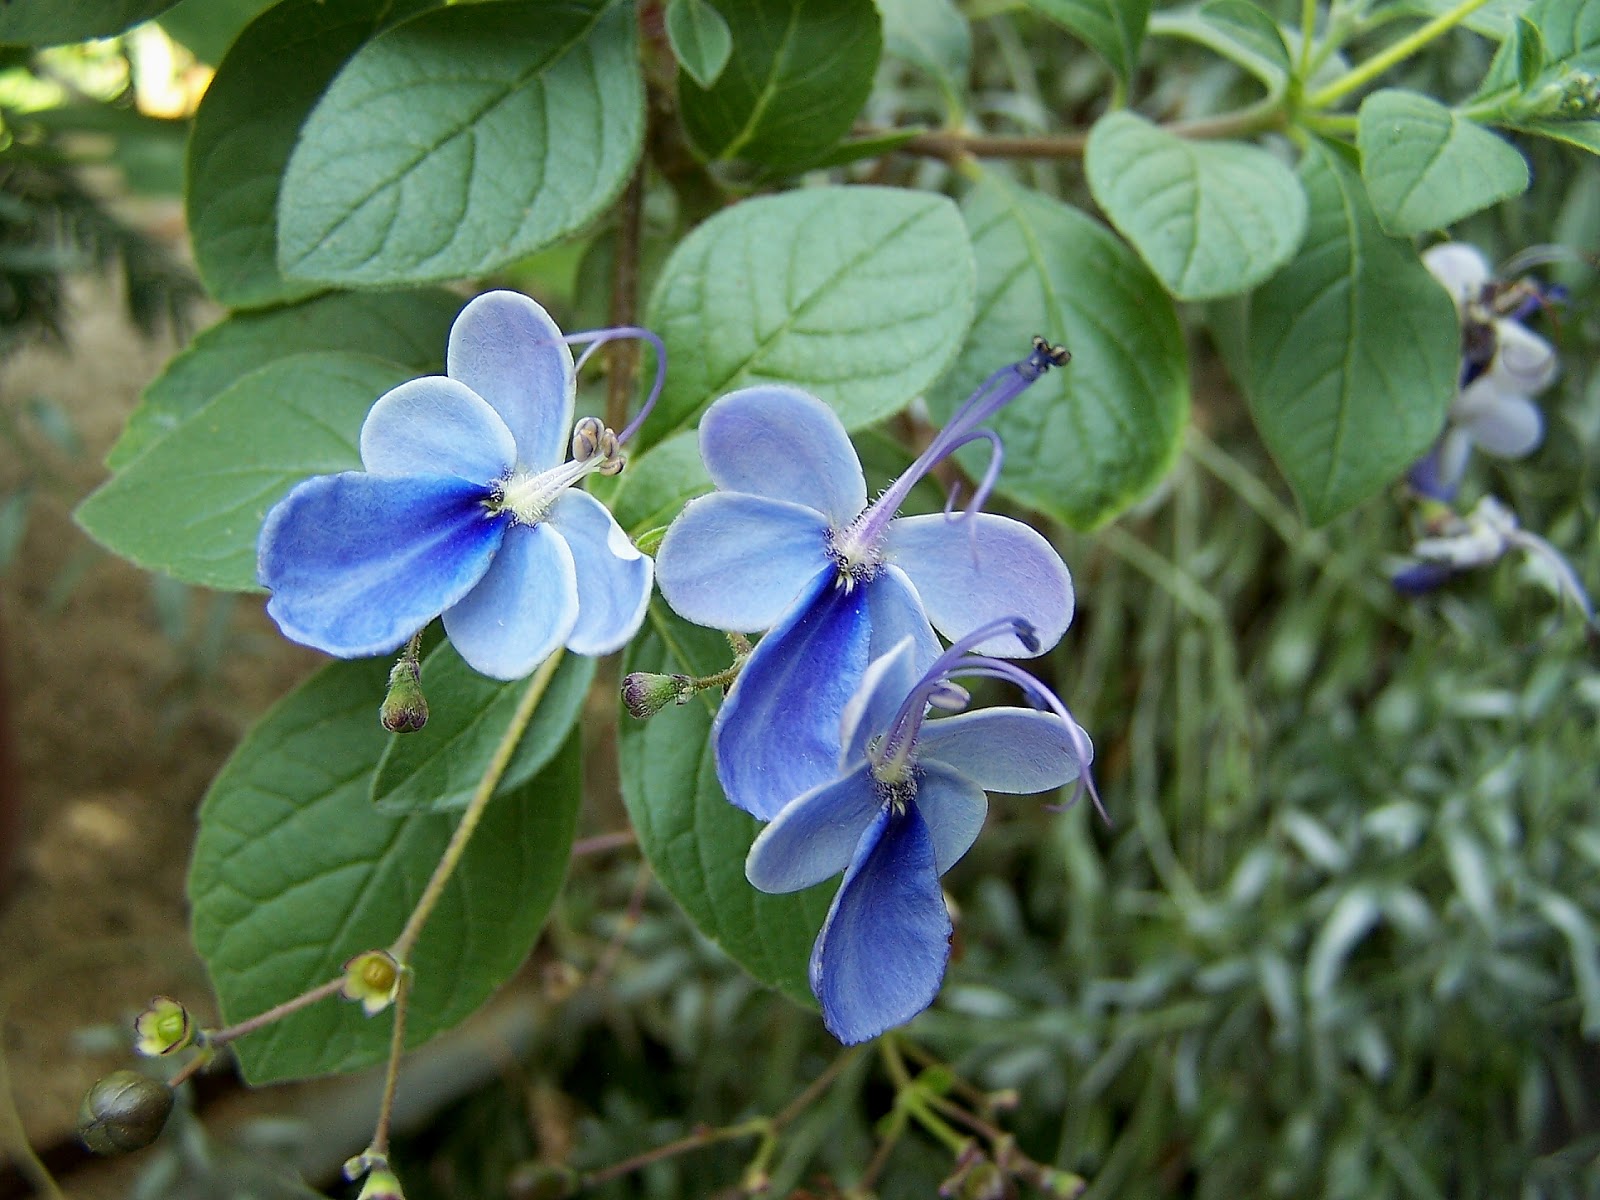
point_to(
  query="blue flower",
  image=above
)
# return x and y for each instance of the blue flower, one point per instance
(467, 509)
(905, 801)
(789, 543)
(1503, 365)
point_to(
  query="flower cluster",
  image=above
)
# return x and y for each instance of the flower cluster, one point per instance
(823, 733)
(1503, 366)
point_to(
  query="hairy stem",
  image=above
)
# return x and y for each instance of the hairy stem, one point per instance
(625, 302)
(391, 1074)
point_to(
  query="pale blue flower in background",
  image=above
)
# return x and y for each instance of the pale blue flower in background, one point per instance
(468, 507)
(789, 543)
(904, 802)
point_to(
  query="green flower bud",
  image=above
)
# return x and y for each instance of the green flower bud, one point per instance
(645, 694)
(372, 977)
(405, 708)
(164, 1028)
(124, 1111)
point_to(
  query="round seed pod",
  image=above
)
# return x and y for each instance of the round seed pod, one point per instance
(122, 1112)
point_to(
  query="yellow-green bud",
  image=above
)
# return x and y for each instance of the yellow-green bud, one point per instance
(373, 978)
(645, 694)
(124, 1111)
(164, 1028)
(405, 708)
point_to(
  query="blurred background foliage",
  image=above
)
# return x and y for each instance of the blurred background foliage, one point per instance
(1343, 937)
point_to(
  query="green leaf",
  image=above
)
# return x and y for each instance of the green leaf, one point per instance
(858, 294)
(1570, 30)
(695, 840)
(1530, 54)
(1426, 167)
(699, 38)
(934, 37)
(192, 505)
(206, 28)
(1088, 440)
(1210, 218)
(294, 872)
(462, 139)
(243, 133)
(1583, 134)
(437, 768)
(1236, 29)
(1495, 19)
(402, 327)
(1113, 29)
(53, 22)
(800, 72)
(1353, 350)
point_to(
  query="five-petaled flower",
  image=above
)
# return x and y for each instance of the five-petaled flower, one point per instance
(1503, 365)
(467, 508)
(788, 543)
(904, 802)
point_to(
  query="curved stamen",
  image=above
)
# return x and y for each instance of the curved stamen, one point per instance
(593, 339)
(1545, 254)
(991, 474)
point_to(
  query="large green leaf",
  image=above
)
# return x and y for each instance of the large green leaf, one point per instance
(1353, 350)
(1583, 134)
(1236, 29)
(1086, 441)
(700, 39)
(206, 28)
(1426, 167)
(1570, 31)
(294, 872)
(932, 36)
(438, 767)
(860, 295)
(53, 22)
(243, 133)
(695, 840)
(1112, 28)
(193, 504)
(462, 139)
(1210, 218)
(402, 327)
(799, 74)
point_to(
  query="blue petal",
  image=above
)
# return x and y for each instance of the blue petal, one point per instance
(733, 561)
(1018, 750)
(436, 426)
(897, 613)
(953, 808)
(784, 444)
(880, 957)
(523, 610)
(777, 733)
(983, 568)
(357, 563)
(815, 837)
(883, 688)
(506, 348)
(613, 577)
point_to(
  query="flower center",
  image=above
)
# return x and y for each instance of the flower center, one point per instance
(529, 495)
(857, 550)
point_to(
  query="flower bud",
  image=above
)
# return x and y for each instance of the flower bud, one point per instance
(405, 708)
(372, 977)
(645, 694)
(124, 1111)
(381, 1184)
(164, 1028)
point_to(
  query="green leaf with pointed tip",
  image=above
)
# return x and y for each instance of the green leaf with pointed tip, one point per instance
(192, 505)
(1236, 29)
(1583, 134)
(1210, 218)
(1530, 54)
(437, 768)
(1426, 167)
(860, 295)
(462, 139)
(294, 873)
(55, 22)
(1112, 28)
(695, 840)
(1086, 441)
(700, 39)
(800, 72)
(402, 327)
(1352, 350)
(243, 133)
(934, 37)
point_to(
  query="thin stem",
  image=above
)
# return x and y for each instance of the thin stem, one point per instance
(261, 1020)
(754, 1127)
(1395, 54)
(625, 301)
(600, 843)
(501, 759)
(912, 1099)
(391, 1075)
(1308, 31)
